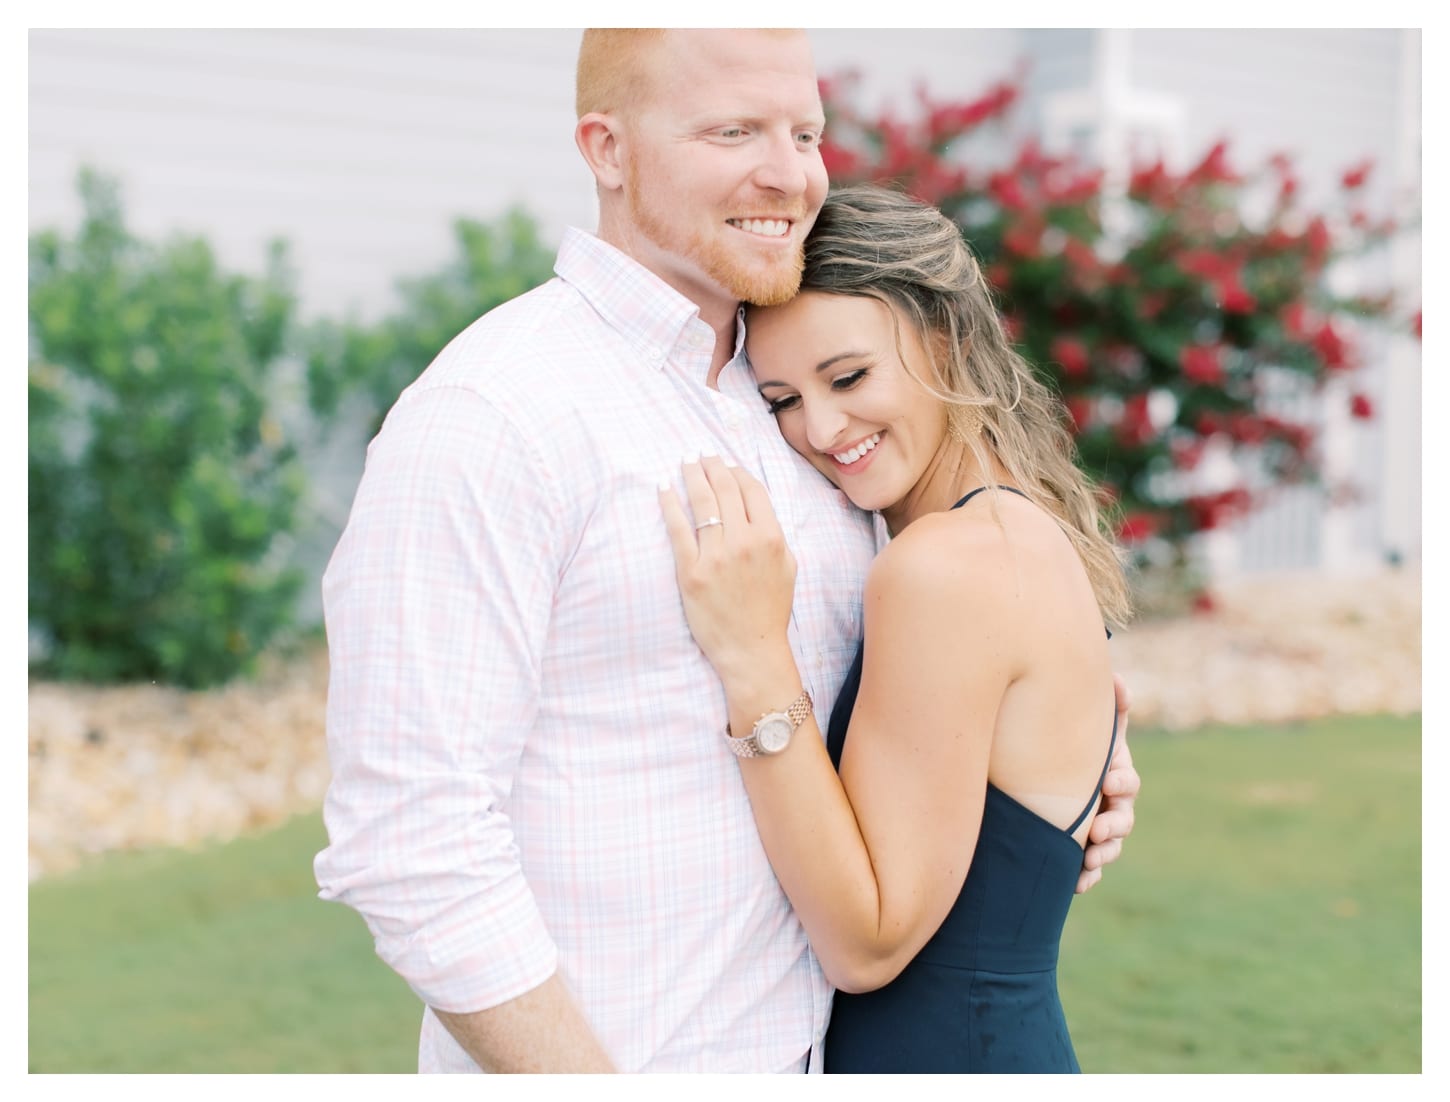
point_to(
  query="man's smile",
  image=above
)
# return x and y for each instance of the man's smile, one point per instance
(762, 227)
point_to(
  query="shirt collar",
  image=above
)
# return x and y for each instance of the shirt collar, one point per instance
(632, 300)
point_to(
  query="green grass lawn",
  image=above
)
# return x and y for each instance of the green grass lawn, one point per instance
(1265, 918)
(218, 961)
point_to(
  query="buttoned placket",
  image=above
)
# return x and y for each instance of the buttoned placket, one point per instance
(758, 432)
(743, 419)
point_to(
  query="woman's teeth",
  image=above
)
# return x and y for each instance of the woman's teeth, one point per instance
(846, 458)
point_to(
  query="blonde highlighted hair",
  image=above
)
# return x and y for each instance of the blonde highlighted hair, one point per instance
(879, 243)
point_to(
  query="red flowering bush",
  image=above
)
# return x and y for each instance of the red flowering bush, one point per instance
(1161, 312)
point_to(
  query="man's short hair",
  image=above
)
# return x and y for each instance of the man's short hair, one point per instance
(613, 67)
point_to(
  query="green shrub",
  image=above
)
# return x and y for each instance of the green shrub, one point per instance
(162, 490)
(496, 262)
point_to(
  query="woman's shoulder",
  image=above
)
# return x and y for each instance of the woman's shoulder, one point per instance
(941, 556)
(986, 528)
(975, 558)
(940, 577)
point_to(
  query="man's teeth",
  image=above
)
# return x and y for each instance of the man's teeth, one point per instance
(858, 451)
(767, 227)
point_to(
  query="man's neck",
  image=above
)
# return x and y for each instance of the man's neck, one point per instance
(724, 330)
(717, 309)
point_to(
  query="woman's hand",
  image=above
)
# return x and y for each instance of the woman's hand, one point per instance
(735, 572)
(1114, 820)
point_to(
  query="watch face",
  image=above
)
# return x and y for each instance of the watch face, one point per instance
(773, 734)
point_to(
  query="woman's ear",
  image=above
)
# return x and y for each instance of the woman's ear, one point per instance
(938, 346)
(599, 138)
(941, 346)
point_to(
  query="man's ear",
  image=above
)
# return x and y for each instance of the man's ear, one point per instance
(598, 138)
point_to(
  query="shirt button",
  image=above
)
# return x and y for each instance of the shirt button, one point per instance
(820, 660)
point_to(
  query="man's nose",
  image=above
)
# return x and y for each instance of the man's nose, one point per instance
(783, 164)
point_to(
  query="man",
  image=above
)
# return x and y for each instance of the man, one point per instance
(533, 805)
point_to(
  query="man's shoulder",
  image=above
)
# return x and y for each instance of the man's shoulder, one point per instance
(532, 326)
(537, 339)
(544, 330)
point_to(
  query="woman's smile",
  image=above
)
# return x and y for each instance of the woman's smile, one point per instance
(856, 458)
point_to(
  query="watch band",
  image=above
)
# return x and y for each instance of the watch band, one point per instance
(750, 747)
(800, 709)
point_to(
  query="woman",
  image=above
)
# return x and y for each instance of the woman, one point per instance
(933, 873)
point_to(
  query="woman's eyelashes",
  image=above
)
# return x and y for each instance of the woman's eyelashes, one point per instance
(841, 382)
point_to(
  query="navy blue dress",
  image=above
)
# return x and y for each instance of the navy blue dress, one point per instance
(981, 996)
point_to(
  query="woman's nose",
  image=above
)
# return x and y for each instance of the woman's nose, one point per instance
(825, 423)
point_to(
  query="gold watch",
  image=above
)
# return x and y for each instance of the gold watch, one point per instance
(772, 731)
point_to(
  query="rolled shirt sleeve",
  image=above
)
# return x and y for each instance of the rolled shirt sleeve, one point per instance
(437, 603)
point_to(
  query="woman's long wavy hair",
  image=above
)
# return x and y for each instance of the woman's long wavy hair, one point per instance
(876, 242)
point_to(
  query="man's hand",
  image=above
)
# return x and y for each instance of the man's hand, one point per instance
(1114, 820)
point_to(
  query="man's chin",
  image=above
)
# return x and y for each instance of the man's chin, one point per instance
(753, 279)
(776, 295)
(767, 289)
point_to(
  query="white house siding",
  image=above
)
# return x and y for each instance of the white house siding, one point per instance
(1060, 59)
(1400, 486)
(891, 62)
(1327, 97)
(360, 146)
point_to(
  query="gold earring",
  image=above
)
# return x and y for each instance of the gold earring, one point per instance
(964, 422)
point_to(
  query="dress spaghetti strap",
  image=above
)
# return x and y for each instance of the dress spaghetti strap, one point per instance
(1098, 791)
(1112, 742)
(979, 489)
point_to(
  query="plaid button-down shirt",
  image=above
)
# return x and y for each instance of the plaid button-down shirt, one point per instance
(529, 766)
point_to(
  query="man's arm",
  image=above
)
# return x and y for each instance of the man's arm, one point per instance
(1114, 820)
(437, 603)
(540, 1031)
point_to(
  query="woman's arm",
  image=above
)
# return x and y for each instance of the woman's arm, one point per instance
(873, 875)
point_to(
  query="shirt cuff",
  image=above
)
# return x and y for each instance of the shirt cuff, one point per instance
(477, 954)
